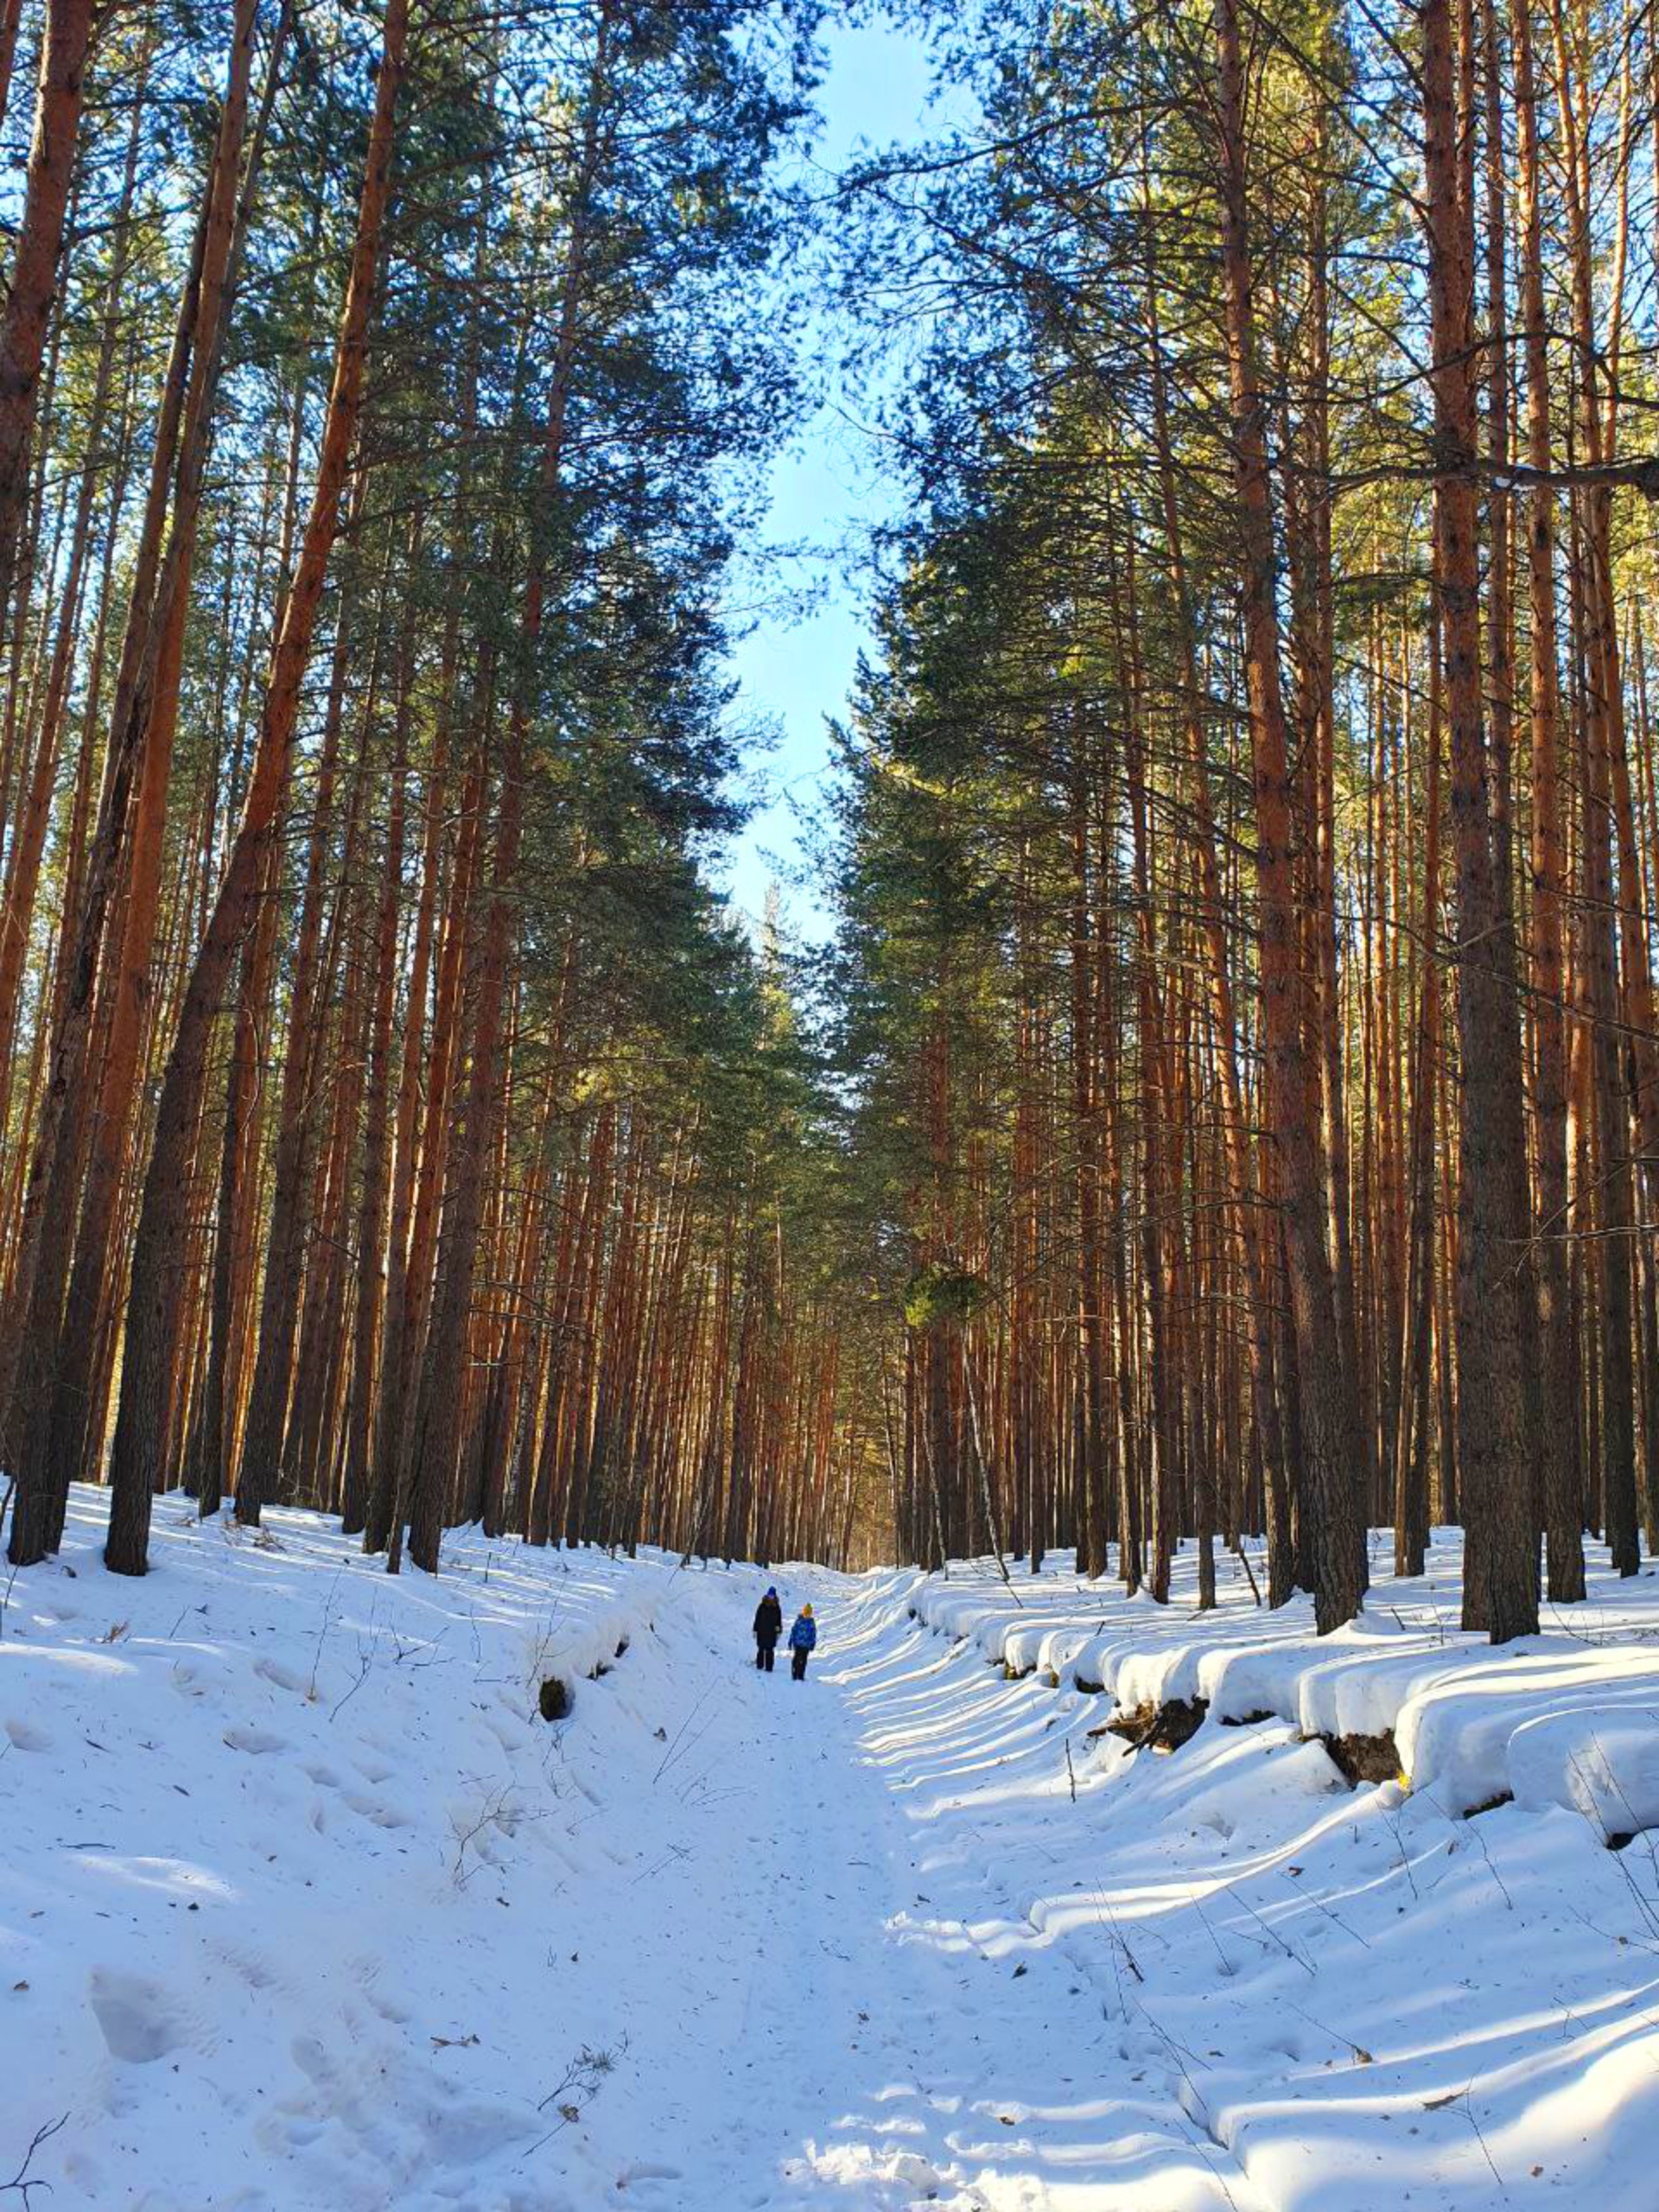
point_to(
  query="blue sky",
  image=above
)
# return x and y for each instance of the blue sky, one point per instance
(828, 485)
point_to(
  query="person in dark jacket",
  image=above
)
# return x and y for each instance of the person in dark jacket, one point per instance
(801, 1638)
(768, 1627)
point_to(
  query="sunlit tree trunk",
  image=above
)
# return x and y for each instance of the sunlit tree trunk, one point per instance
(1558, 1364)
(33, 278)
(1500, 1592)
(1328, 1414)
(154, 1296)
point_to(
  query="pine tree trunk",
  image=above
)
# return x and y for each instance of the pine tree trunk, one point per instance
(438, 1430)
(54, 1371)
(372, 1205)
(153, 1299)
(1558, 1365)
(1331, 1539)
(33, 280)
(1500, 1590)
(259, 1470)
(29, 834)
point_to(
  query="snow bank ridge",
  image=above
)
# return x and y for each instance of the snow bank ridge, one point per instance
(581, 1648)
(1569, 1718)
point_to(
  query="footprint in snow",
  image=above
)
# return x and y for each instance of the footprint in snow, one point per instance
(367, 1972)
(135, 2017)
(382, 1813)
(249, 1967)
(647, 2170)
(257, 1742)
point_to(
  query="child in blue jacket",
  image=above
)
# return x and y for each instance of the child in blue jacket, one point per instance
(801, 1638)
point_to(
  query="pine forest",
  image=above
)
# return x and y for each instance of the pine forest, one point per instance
(1172, 1118)
(1229, 1102)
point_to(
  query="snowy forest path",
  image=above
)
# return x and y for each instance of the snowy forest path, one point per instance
(868, 2022)
(307, 1904)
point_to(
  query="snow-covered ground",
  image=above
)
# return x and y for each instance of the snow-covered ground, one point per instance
(304, 1904)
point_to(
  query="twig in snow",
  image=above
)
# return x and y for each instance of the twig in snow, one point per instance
(20, 2181)
(1462, 2097)
(675, 1748)
(1269, 1929)
(579, 2086)
(1362, 2056)
(1405, 1857)
(322, 1636)
(1307, 1897)
(1608, 1935)
(1197, 1902)
(496, 1812)
(1243, 1558)
(366, 1654)
(1492, 1865)
(1120, 1949)
(5, 1595)
(1641, 1904)
(433, 1657)
(1179, 2054)
(1469, 2107)
(675, 1852)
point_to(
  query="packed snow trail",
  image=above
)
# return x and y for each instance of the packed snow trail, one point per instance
(853, 2038)
(304, 1907)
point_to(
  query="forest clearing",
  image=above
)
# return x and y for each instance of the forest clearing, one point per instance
(861, 795)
